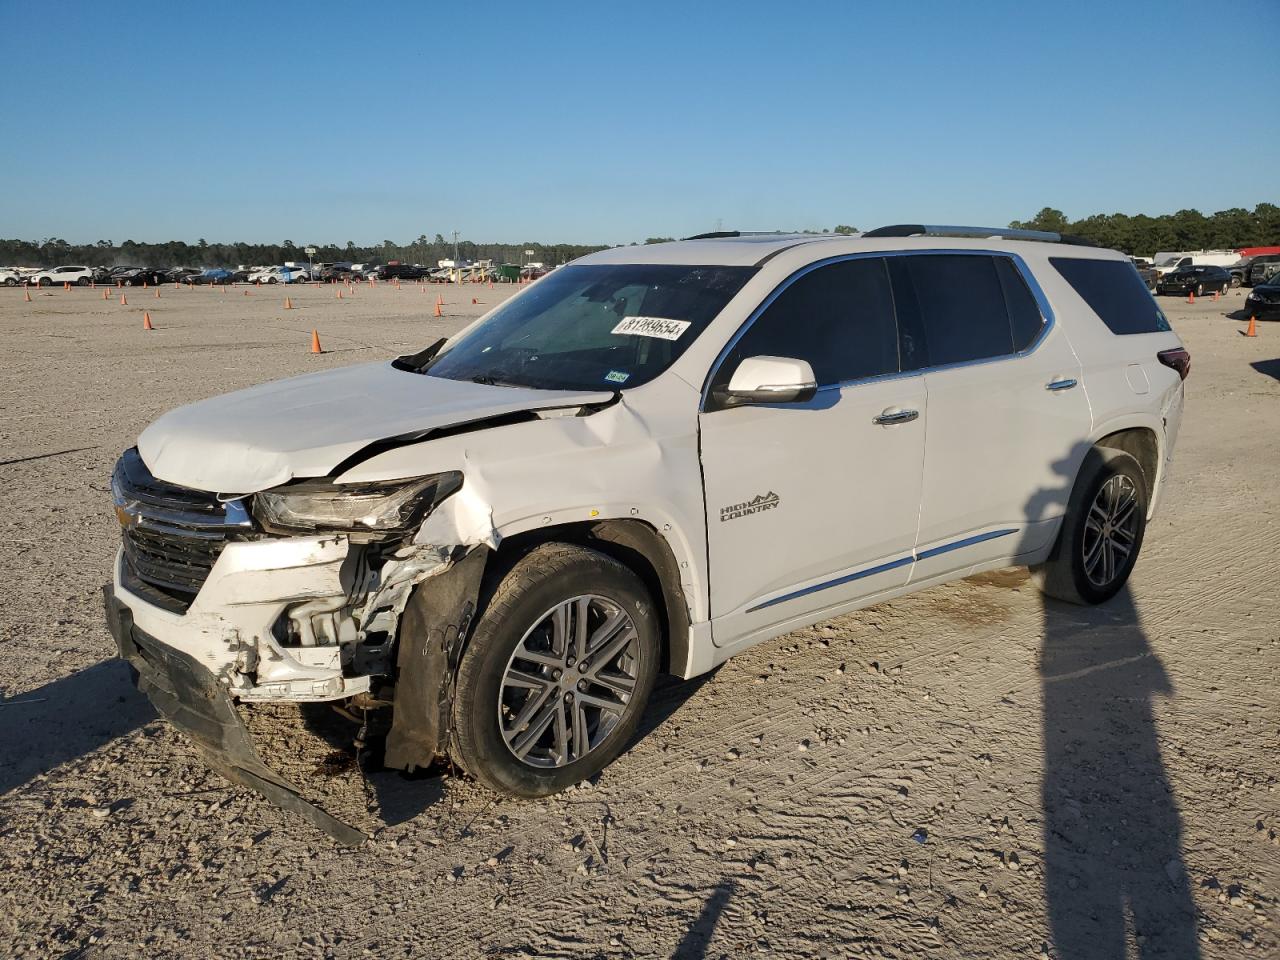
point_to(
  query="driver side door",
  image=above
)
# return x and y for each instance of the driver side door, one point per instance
(814, 505)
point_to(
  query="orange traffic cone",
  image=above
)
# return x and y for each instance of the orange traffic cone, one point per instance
(26, 294)
(474, 301)
(106, 295)
(288, 304)
(439, 312)
(157, 293)
(66, 287)
(315, 342)
(146, 321)
(1253, 327)
(124, 301)
(439, 300)
(1215, 296)
(339, 294)
(1191, 297)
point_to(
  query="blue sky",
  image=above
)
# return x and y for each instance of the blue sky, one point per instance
(611, 122)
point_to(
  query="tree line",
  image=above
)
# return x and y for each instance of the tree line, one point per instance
(1142, 235)
(1136, 235)
(177, 253)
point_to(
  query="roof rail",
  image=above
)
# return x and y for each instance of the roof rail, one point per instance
(1004, 233)
(714, 235)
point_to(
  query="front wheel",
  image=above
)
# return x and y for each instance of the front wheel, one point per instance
(1199, 289)
(555, 678)
(45, 282)
(1101, 533)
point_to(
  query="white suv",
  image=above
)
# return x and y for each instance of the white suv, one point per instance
(81, 276)
(647, 461)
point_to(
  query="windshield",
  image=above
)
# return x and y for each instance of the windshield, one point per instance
(593, 327)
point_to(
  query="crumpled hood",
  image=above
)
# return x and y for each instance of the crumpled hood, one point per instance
(305, 426)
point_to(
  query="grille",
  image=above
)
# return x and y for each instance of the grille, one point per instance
(174, 534)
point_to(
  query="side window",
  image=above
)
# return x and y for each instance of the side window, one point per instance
(952, 308)
(1025, 320)
(838, 317)
(1115, 292)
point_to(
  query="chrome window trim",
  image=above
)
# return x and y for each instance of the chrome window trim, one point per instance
(1048, 320)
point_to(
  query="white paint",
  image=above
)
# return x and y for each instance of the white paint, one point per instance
(828, 493)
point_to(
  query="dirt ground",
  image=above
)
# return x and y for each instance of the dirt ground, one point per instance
(968, 772)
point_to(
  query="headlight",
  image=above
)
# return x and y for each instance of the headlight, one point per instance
(387, 508)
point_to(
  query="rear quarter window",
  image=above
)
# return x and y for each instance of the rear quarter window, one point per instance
(1115, 292)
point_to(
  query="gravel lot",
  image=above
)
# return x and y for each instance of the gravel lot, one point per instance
(956, 774)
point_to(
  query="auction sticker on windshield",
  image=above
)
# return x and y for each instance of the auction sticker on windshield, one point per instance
(652, 327)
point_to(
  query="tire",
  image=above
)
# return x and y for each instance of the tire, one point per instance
(1077, 567)
(45, 282)
(1199, 289)
(517, 620)
(272, 280)
(82, 282)
(10, 282)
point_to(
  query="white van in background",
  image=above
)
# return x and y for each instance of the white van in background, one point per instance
(1167, 261)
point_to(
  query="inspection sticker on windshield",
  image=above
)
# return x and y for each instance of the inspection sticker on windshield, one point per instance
(652, 327)
(617, 376)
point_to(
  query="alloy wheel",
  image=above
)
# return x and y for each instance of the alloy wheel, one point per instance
(569, 682)
(1110, 530)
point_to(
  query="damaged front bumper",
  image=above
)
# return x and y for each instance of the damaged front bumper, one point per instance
(198, 704)
(303, 619)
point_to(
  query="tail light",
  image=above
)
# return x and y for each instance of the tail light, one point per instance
(1179, 359)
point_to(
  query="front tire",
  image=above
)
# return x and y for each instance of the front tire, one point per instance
(1101, 533)
(1199, 289)
(555, 678)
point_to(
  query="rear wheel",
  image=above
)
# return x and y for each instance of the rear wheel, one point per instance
(555, 678)
(1199, 289)
(45, 282)
(1101, 533)
(82, 282)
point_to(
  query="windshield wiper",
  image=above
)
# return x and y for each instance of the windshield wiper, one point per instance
(489, 381)
(417, 362)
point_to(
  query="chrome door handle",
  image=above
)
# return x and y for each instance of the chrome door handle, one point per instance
(891, 417)
(1064, 384)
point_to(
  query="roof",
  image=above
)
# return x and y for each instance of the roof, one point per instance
(753, 249)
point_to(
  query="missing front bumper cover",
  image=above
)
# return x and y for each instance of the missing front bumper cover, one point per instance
(191, 698)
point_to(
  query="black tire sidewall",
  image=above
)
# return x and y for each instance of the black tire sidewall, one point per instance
(500, 627)
(1099, 467)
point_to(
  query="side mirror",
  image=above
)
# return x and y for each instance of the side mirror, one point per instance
(768, 380)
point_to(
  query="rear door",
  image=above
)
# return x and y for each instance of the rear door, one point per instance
(813, 505)
(1008, 418)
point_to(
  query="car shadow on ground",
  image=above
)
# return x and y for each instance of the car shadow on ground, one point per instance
(395, 796)
(1270, 368)
(67, 719)
(1114, 872)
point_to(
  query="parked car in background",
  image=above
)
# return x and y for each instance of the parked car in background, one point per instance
(336, 273)
(399, 271)
(1261, 267)
(281, 274)
(80, 276)
(1197, 280)
(214, 275)
(182, 274)
(613, 475)
(1239, 271)
(10, 277)
(138, 276)
(1263, 301)
(241, 276)
(1147, 272)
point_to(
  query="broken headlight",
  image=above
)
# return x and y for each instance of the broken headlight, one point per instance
(387, 508)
